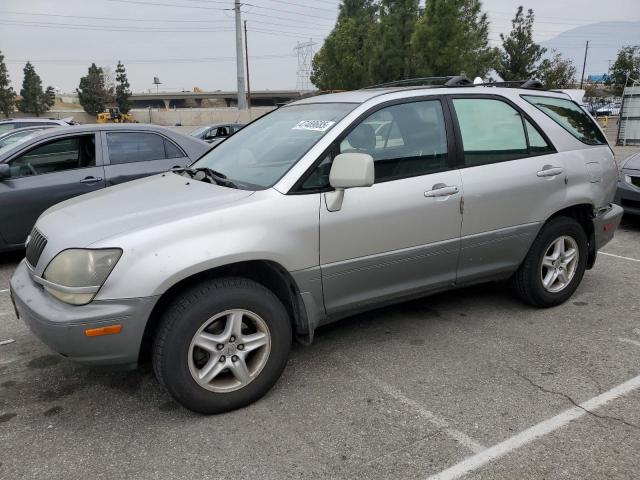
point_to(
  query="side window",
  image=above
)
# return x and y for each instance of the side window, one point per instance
(492, 131)
(405, 140)
(222, 132)
(127, 147)
(171, 150)
(55, 156)
(570, 117)
(537, 144)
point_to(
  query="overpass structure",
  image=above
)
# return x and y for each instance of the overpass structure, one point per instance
(168, 100)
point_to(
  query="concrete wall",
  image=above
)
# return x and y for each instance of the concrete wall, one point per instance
(186, 116)
(198, 116)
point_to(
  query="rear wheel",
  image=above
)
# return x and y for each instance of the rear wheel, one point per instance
(222, 345)
(555, 264)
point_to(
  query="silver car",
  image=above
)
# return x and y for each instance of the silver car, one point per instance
(329, 206)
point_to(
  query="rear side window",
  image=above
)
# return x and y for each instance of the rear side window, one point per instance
(172, 150)
(569, 116)
(127, 147)
(492, 131)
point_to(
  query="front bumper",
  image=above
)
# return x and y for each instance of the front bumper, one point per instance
(628, 197)
(62, 327)
(605, 223)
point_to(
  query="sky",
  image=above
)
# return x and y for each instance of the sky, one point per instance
(191, 43)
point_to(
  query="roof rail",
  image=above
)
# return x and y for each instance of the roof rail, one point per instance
(530, 84)
(458, 81)
(411, 82)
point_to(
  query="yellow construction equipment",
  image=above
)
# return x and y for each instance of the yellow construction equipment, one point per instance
(114, 115)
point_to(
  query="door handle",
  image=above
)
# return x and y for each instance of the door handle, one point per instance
(441, 190)
(91, 180)
(550, 171)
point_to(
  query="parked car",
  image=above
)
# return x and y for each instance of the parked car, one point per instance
(628, 194)
(305, 217)
(53, 165)
(19, 135)
(609, 109)
(14, 123)
(216, 132)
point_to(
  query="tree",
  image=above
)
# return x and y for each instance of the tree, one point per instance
(557, 72)
(122, 89)
(391, 53)
(34, 99)
(520, 56)
(7, 94)
(92, 92)
(343, 61)
(627, 65)
(452, 37)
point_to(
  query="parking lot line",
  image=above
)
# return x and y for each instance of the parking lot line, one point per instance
(628, 340)
(4, 291)
(537, 431)
(460, 437)
(619, 256)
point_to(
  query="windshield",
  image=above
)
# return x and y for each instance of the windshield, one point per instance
(258, 155)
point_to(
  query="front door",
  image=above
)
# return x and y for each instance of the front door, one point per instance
(43, 176)
(401, 235)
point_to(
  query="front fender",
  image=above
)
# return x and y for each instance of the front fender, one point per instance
(273, 227)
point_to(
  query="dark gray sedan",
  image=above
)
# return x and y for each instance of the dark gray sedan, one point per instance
(53, 165)
(628, 193)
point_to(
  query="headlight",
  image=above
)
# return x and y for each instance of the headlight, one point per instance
(75, 275)
(623, 177)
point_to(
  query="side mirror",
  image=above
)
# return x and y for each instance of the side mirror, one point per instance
(349, 170)
(5, 171)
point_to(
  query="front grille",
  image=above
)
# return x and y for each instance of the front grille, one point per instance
(635, 181)
(35, 247)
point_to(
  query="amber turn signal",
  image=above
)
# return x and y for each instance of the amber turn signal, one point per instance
(98, 332)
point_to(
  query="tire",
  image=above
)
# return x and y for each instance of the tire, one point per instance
(187, 345)
(528, 281)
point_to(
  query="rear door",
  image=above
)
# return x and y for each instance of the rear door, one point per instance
(132, 155)
(511, 175)
(46, 174)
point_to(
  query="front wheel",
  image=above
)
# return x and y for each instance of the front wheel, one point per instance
(555, 264)
(222, 345)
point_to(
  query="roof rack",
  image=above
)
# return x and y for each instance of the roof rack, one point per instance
(458, 81)
(530, 84)
(449, 81)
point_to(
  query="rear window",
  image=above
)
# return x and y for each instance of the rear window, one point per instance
(570, 117)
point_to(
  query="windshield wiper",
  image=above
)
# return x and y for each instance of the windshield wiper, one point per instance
(206, 173)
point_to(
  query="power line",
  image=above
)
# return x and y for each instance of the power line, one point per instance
(225, 22)
(147, 61)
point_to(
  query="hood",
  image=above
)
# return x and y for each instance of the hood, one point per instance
(632, 162)
(131, 206)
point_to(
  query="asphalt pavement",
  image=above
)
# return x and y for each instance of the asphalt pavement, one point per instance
(467, 382)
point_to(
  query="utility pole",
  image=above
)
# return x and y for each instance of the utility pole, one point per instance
(246, 58)
(242, 99)
(584, 64)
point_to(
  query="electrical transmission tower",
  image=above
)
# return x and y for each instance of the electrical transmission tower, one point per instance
(305, 56)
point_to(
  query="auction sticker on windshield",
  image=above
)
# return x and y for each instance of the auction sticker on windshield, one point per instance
(316, 125)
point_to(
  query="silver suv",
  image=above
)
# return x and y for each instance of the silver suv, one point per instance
(329, 206)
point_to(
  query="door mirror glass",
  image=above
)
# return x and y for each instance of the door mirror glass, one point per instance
(350, 170)
(5, 171)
